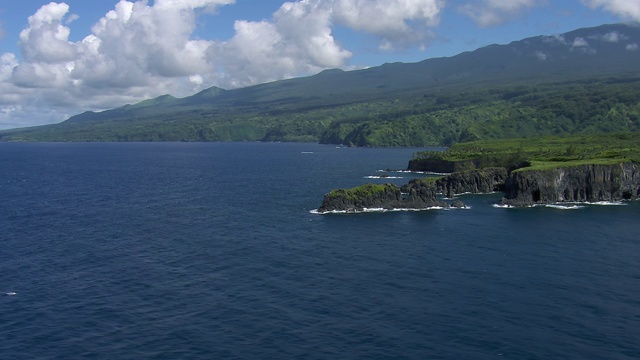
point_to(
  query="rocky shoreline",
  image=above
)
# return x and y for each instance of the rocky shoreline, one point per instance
(521, 187)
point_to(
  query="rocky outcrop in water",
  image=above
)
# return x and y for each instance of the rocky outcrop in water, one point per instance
(584, 183)
(414, 195)
(525, 187)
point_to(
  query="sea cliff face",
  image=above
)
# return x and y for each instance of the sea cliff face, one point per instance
(525, 187)
(473, 181)
(584, 183)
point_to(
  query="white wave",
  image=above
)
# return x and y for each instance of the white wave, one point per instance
(375, 210)
(382, 177)
(608, 203)
(11, 293)
(567, 205)
(503, 206)
(367, 210)
(582, 204)
(420, 172)
(466, 207)
(306, 152)
(564, 207)
(430, 173)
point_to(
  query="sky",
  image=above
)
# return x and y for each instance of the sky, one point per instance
(58, 59)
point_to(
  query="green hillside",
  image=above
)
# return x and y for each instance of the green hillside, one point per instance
(543, 152)
(537, 86)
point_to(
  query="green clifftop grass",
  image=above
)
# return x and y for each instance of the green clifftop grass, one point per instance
(545, 152)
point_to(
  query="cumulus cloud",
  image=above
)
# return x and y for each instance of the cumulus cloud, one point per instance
(298, 40)
(580, 42)
(632, 47)
(555, 39)
(46, 39)
(613, 37)
(8, 61)
(397, 22)
(628, 9)
(493, 12)
(142, 49)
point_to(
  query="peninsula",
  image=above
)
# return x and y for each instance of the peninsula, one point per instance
(545, 170)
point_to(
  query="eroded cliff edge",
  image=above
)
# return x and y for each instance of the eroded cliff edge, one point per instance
(521, 187)
(581, 183)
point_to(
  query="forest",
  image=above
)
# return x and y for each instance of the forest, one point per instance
(412, 118)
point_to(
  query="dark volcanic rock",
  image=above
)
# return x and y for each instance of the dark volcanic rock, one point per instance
(473, 181)
(387, 196)
(584, 183)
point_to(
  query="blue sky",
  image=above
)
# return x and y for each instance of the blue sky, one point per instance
(58, 59)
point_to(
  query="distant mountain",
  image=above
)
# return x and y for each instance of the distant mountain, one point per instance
(539, 85)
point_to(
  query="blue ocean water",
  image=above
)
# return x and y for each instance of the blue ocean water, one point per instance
(210, 251)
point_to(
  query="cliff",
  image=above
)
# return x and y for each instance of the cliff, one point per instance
(583, 183)
(522, 187)
(473, 181)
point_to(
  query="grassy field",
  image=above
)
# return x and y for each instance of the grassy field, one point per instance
(546, 152)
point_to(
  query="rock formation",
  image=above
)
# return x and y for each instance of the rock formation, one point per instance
(386, 196)
(584, 183)
(473, 181)
(523, 187)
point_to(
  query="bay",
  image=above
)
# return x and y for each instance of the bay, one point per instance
(210, 250)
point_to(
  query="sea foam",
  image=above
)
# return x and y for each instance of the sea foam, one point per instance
(377, 210)
(382, 177)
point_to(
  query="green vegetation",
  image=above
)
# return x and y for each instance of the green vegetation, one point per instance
(411, 118)
(365, 191)
(544, 152)
(496, 92)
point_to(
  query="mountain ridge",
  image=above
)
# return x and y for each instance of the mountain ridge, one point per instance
(328, 105)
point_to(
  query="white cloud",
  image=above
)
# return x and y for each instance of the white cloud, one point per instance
(628, 9)
(135, 51)
(46, 39)
(143, 49)
(613, 37)
(71, 18)
(397, 22)
(555, 39)
(493, 12)
(580, 42)
(541, 55)
(8, 61)
(632, 47)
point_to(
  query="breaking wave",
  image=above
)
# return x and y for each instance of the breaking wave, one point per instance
(564, 207)
(375, 210)
(382, 177)
(567, 205)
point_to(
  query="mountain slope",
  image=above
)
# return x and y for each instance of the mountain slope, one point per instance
(539, 85)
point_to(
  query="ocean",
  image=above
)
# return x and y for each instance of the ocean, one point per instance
(212, 251)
